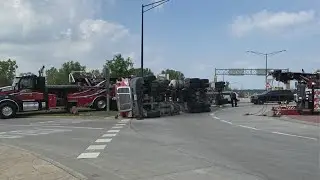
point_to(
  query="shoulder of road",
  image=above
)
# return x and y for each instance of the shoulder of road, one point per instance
(17, 163)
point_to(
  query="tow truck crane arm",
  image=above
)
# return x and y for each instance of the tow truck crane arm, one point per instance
(288, 76)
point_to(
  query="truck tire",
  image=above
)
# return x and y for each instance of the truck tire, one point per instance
(192, 80)
(204, 83)
(192, 83)
(153, 114)
(8, 110)
(100, 103)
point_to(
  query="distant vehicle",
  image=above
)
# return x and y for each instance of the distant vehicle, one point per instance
(273, 96)
(227, 95)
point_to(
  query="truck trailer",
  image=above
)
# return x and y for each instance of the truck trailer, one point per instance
(149, 97)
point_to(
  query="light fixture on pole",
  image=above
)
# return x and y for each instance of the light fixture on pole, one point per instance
(143, 10)
(266, 58)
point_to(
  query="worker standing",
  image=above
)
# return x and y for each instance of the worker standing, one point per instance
(234, 99)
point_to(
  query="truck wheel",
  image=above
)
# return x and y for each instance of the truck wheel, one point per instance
(100, 103)
(7, 110)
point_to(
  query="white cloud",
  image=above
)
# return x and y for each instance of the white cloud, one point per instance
(49, 33)
(272, 22)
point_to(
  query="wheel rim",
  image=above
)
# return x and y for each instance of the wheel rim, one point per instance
(7, 111)
(101, 104)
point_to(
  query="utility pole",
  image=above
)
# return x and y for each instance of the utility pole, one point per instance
(266, 58)
(143, 10)
(107, 76)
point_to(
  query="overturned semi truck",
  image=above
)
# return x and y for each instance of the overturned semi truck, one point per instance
(149, 97)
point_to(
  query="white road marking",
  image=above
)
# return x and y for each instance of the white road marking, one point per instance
(109, 135)
(248, 127)
(106, 138)
(88, 155)
(46, 122)
(96, 147)
(293, 135)
(113, 131)
(216, 117)
(30, 132)
(44, 126)
(125, 120)
(117, 127)
(273, 132)
(226, 121)
(9, 137)
(103, 140)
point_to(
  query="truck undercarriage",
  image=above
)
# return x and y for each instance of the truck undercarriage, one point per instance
(149, 97)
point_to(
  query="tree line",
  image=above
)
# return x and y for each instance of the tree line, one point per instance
(118, 66)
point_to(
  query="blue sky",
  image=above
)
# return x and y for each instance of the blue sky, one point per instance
(193, 36)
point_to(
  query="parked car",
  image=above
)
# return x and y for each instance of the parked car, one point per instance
(273, 96)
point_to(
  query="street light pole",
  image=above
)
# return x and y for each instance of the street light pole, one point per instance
(142, 13)
(151, 6)
(266, 58)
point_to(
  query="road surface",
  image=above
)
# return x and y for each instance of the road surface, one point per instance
(225, 144)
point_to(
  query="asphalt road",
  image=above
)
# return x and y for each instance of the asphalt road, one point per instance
(224, 145)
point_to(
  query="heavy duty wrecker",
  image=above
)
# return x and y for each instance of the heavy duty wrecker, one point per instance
(30, 93)
(308, 102)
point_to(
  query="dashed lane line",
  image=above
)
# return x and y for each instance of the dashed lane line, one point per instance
(226, 121)
(117, 127)
(293, 135)
(96, 147)
(249, 127)
(109, 135)
(256, 129)
(88, 155)
(113, 131)
(105, 138)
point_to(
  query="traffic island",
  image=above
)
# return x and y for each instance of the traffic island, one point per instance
(17, 163)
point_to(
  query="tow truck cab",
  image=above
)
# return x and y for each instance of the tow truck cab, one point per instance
(30, 93)
(27, 94)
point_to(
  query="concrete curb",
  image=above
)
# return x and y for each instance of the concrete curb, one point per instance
(60, 166)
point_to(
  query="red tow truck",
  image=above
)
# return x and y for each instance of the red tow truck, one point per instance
(307, 88)
(30, 93)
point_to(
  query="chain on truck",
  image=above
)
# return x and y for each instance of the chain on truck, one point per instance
(31, 93)
(149, 97)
